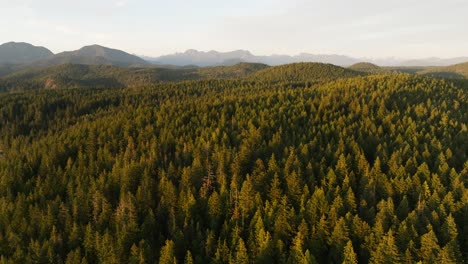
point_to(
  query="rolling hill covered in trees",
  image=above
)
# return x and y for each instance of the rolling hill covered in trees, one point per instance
(304, 72)
(366, 67)
(302, 163)
(457, 71)
(108, 76)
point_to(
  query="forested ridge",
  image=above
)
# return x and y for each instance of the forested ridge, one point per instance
(108, 76)
(267, 169)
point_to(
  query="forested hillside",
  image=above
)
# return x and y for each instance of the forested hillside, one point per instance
(369, 169)
(67, 76)
(366, 67)
(457, 71)
(304, 72)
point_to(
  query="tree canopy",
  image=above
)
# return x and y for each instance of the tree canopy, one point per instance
(369, 169)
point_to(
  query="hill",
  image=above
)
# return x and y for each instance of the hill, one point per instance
(96, 76)
(6, 69)
(365, 67)
(457, 71)
(92, 55)
(240, 70)
(304, 72)
(20, 52)
(100, 76)
(405, 69)
(80, 75)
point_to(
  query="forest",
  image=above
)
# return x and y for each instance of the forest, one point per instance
(302, 163)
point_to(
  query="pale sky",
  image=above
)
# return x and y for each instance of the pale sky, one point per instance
(360, 28)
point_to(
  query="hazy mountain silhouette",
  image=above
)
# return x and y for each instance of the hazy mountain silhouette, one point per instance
(434, 61)
(213, 58)
(201, 58)
(20, 52)
(327, 58)
(93, 55)
(16, 56)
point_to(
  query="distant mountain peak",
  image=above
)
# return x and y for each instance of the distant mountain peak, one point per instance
(93, 55)
(19, 43)
(191, 51)
(214, 52)
(11, 43)
(94, 46)
(204, 58)
(22, 52)
(215, 58)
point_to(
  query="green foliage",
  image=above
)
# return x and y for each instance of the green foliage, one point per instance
(304, 72)
(349, 256)
(369, 169)
(108, 76)
(366, 67)
(457, 71)
(167, 253)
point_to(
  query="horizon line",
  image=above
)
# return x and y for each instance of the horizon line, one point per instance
(248, 50)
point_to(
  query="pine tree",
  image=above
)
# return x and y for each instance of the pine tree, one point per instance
(74, 257)
(137, 255)
(167, 253)
(429, 247)
(246, 197)
(387, 251)
(188, 258)
(337, 241)
(446, 257)
(275, 192)
(349, 256)
(296, 254)
(240, 254)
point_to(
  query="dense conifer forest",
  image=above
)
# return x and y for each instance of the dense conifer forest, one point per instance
(304, 163)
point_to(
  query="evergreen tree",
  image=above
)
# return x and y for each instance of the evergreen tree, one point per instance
(166, 255)
(188, 258)
(240, 255)
(429, 247)
(349, 256)
(387, 251)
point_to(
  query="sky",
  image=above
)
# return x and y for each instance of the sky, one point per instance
(360, 28)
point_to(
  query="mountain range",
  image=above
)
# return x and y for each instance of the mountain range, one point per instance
(214, 58)
(93, 55)
(16, 56)
(19, 56)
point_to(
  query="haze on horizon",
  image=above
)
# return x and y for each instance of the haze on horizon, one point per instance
(361, 28)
